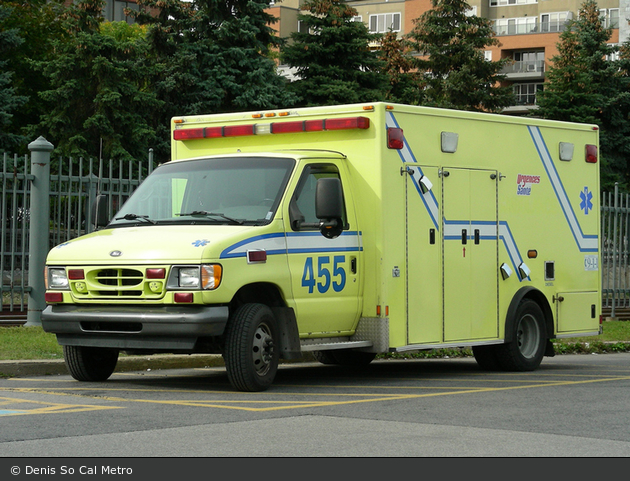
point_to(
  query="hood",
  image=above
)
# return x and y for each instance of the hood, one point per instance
(143, 244)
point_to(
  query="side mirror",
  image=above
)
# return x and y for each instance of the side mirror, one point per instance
(100, 215)
(329, 207)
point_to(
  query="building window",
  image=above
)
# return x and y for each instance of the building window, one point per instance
(609, 17)
(554, 22)
(487, 54)
(529, 61)
(515, 26)
(384, 22)
(615, 55)
(114, 11)
(526, 93)
(501, 3)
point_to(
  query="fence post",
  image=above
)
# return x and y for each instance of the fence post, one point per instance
(39, 228)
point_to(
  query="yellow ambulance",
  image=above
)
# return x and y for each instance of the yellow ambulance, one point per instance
(345, 231)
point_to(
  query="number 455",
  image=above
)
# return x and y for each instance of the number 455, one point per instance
(324, 278)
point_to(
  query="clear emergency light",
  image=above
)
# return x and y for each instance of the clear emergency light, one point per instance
(347, 123)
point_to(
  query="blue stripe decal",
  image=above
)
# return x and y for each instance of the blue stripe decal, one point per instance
(406, 155)
(295, 243)
(488, 231)
(585, 243)
(452, 229)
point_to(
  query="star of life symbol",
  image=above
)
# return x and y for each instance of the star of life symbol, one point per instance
(587, 198)
(200, 243)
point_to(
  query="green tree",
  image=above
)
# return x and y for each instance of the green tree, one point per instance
(405, 83)
(584, 86)
(210, 56)
(100, 102)
(450, 44)
(332, 57)
(37, 24)
(10, 101)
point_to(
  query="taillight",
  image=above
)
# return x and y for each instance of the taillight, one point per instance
(591, 154)
(395, 138)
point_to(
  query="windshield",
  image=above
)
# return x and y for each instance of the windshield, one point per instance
(235, 190)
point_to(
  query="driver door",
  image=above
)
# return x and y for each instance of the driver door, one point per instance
(324, 272)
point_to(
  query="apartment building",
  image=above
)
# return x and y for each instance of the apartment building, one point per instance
(527, 29)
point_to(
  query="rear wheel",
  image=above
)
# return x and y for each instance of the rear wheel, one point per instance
(251, 355)
(92, 364)
(527, 347)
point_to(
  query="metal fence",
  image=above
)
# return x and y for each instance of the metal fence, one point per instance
(615, 234)
(73, 184)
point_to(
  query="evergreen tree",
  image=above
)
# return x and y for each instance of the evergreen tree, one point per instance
(332, 57)
(9, 100)
(405, 84)
(99, 101)
(36, 23)
(213, 56)
(450, 44)
(584, 86)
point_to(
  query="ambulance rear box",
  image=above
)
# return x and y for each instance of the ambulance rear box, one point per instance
(345, 231)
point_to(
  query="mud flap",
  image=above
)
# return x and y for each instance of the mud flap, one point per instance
(289, 336)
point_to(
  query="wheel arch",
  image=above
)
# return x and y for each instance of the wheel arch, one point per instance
(271, 295)
(259, 293)
(528, 292)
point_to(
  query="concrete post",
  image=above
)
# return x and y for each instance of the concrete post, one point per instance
(39, 228)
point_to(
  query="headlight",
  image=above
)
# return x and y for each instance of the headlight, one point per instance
(189, 277)
(56, 278)
(207, 277)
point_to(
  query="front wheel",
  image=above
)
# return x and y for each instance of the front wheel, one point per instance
(251, 355)
(91, 364)
(526, 349)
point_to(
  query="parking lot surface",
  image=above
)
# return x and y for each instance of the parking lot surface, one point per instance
(574, 405)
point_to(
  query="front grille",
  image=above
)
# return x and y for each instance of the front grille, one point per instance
(118, 283)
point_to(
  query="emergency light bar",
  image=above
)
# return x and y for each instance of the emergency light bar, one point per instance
(347, 123)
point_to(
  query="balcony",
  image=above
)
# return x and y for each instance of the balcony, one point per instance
(532, 25)
(525, 70)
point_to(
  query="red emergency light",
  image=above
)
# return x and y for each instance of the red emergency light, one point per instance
(347, 123)
(591, 154)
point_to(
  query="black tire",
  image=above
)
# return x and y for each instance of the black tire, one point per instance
(527, 348)
(251, 356)
(347, 357)
(486, 357)
(91, 364)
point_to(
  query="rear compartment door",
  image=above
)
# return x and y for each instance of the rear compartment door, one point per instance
(470, 254)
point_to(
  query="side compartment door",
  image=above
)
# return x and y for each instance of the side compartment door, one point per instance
(424, 256)
(324, 272)
(470, 250)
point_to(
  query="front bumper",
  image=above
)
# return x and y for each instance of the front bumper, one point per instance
(170, 328)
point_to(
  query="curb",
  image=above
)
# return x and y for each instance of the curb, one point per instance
(24, 368)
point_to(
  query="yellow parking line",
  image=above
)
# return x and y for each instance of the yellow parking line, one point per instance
(42, 407)
(261, 405)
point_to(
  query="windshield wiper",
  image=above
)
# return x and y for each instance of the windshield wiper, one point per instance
(144, 218)
(205, 213)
